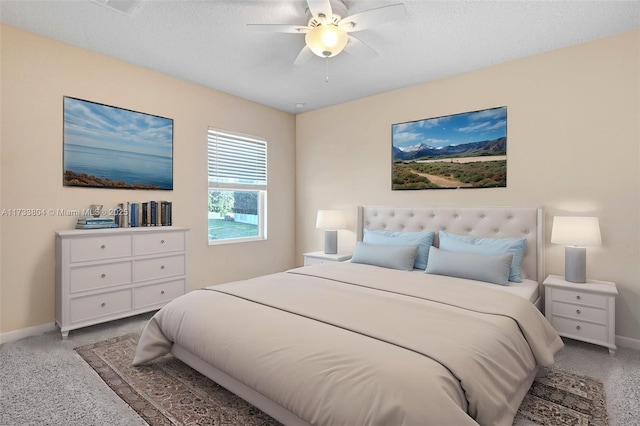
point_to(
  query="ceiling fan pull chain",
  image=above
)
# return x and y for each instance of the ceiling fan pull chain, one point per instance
(327, 78)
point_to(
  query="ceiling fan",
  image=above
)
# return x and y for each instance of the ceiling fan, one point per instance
(328, 31)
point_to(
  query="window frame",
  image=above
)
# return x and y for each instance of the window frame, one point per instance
(260, 188)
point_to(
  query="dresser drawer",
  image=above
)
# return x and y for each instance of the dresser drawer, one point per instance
(159, 267)
(156, 294)
(580, 312)
(577, 296)
(580, 330)
(100, 247)
(158, 242)
(313, 261)
(85, 278)
(99, 305)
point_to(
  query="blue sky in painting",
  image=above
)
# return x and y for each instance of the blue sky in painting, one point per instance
(102, 126)
(455, 129)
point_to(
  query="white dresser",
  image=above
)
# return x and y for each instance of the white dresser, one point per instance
(105, 274)
(582, 311)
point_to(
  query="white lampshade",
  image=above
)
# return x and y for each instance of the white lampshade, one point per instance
(576, 231)
(331, 219)
(326, 41)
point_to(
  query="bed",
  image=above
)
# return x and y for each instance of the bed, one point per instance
(357, 343)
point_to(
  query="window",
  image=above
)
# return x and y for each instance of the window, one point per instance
(237, 187)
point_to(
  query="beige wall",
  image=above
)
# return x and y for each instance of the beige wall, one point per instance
(36, 73)
(573, 147)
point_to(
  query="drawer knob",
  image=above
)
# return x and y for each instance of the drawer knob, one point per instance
(578, 311)
(103, 275)
(103, 246)
(578, 328)
(578, 297)
(161, 266)
(162, 292)
(103, 304)
(161, 241)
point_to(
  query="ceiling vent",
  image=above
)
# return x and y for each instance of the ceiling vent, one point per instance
(128, 7)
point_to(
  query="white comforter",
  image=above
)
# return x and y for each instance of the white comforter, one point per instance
(351, 344)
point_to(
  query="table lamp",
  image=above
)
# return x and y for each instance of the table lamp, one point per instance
(331, 221)
(576, 233)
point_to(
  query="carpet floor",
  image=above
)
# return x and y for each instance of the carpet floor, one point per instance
(168, 392)
(45, 382)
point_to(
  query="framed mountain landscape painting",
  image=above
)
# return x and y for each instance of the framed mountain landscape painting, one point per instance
(466, 150)
(111, 147)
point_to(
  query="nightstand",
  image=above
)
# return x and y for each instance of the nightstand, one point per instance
(582, 311)
(317, 257)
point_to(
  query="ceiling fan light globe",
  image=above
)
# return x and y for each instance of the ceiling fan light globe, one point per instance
(326, 41)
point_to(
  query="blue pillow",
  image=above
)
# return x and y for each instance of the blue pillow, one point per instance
(385, 256)
(488, 246)
(423, 240)
(489, 268)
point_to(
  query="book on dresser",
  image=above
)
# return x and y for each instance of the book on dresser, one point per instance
(91, 219)
(165, 213)
(90, 222)
(145, 213)
(153, 213)
(134, 214)
(96, 225)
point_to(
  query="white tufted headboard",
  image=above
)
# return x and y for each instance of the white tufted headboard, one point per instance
(494, 222)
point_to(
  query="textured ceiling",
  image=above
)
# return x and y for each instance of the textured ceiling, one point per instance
(207, 42)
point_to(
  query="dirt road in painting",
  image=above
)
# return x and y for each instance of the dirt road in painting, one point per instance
(441, 181)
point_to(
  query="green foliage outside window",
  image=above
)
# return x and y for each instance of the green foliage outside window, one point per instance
(221, 201)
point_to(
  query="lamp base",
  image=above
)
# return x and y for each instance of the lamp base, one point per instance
(331, 242)
(575, 264)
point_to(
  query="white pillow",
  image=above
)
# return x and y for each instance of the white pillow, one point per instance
(394, 257)
(489, 268)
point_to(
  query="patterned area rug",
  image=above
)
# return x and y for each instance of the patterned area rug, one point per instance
(168, 392)
(562, 398)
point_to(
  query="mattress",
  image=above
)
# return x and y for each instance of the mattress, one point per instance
(527, 289)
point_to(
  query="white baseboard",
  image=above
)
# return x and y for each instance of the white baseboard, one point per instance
(12, 336)
(628, 342)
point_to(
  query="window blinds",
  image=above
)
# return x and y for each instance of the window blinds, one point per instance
(236, 159)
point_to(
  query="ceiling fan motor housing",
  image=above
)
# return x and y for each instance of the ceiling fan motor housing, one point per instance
(338, 10)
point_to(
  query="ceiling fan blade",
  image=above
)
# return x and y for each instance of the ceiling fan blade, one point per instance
(304, 55)
(373, 17)
(359, 48)
(320, 7)
(279, 28)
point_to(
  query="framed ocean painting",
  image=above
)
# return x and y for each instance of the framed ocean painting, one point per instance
(111, 147)
(466, 150)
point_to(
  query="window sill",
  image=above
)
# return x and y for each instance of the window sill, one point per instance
(235, 240)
